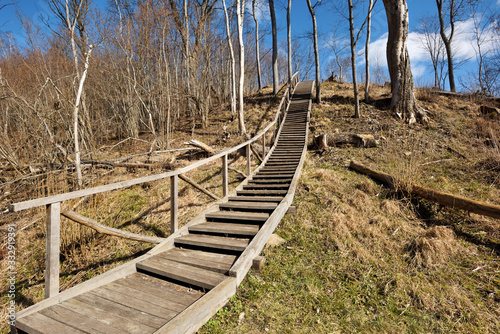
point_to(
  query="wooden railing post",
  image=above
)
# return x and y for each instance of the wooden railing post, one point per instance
(263, 146)
(224, 176)
(249, 161)
(174, 203)
(53, 241)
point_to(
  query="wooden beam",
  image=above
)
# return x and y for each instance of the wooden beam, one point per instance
(455, 201)
(197, 186)
(53, 241)
(258, 263)
(103, 229)
(174, 203)
(249, 160)
(225, 182)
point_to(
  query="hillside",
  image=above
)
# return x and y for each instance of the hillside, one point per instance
(358, 256)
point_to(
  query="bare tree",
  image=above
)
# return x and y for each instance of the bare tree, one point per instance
(233, 61)
(275, 47)
(316, 51)
(455, 12)
(289, 39)
(403, 102)
(257, 48)
(367, 49)
(240, 11)
(432, 42)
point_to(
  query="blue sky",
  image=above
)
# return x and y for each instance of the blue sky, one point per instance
(301, 24)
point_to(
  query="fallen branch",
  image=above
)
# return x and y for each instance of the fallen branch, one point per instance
(197, 186)
(237, 171)
(257, 155)
(109, 230)
(200, 145)
(323, 141)
(455, 201)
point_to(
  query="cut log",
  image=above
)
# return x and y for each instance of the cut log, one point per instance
(109, 230)
(200, 145)
(323, 141)
(455, 201)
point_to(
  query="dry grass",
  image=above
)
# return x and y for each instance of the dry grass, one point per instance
(434, 247)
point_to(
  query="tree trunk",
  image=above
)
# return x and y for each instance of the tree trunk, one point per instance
(403, 102)
(75, 119)
(257, 51)
(240, 10)
(275, 47)
(233, 62)
(289, 40)
(353, 61)
(447, 40)
(367, 54)
(316, 52)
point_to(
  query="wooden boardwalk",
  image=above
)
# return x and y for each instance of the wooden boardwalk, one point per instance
(181, 283)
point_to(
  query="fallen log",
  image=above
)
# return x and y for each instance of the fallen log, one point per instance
(455, 201)
(323, 141)
(200, 145)
(109, 230)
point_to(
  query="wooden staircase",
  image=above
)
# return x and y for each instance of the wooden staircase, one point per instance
(181, 283)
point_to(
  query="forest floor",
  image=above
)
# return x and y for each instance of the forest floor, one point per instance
(358, 257)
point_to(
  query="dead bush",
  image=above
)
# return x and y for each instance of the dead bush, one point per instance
(435, 246)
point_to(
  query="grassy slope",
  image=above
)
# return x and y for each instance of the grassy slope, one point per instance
(359, 258)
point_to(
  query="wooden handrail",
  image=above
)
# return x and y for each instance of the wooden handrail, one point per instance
(15, 207)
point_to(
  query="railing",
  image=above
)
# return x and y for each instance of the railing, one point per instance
(53, 203)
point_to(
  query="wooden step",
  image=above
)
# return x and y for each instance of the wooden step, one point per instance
(275, 199)
(215, 242)
(220, 263)
(266, 186)
(261, 192)
(229, 229)
(248, 206)
(181, 272)
(270, 181)
(235, 216)
(262, 176)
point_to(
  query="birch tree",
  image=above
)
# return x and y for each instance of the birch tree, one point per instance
(316, 51)
(289, 39)
(367, 51)
(233, 61)
(240, 11)
(257, 48)
(403, 102)
(274, 30)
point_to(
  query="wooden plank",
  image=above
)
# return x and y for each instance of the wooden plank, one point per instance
(175, 292)
(261, 192)
(263, 176)
(202, 278)
(140, 305)
(233, 244)
(37, 323)
(275, 199)
(194, 259)
(238, 216)
(118, 272)
(179, 253)
(119, 310)
(266, 186)
(199, 313)
(127, 290)
(226, 229)
(52, 243)
(66, 315)
(264, 206)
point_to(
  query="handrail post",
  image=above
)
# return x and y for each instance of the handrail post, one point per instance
(53, 241)
(174, 203)
(264, 145)
(249, 161)
(224, 176)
